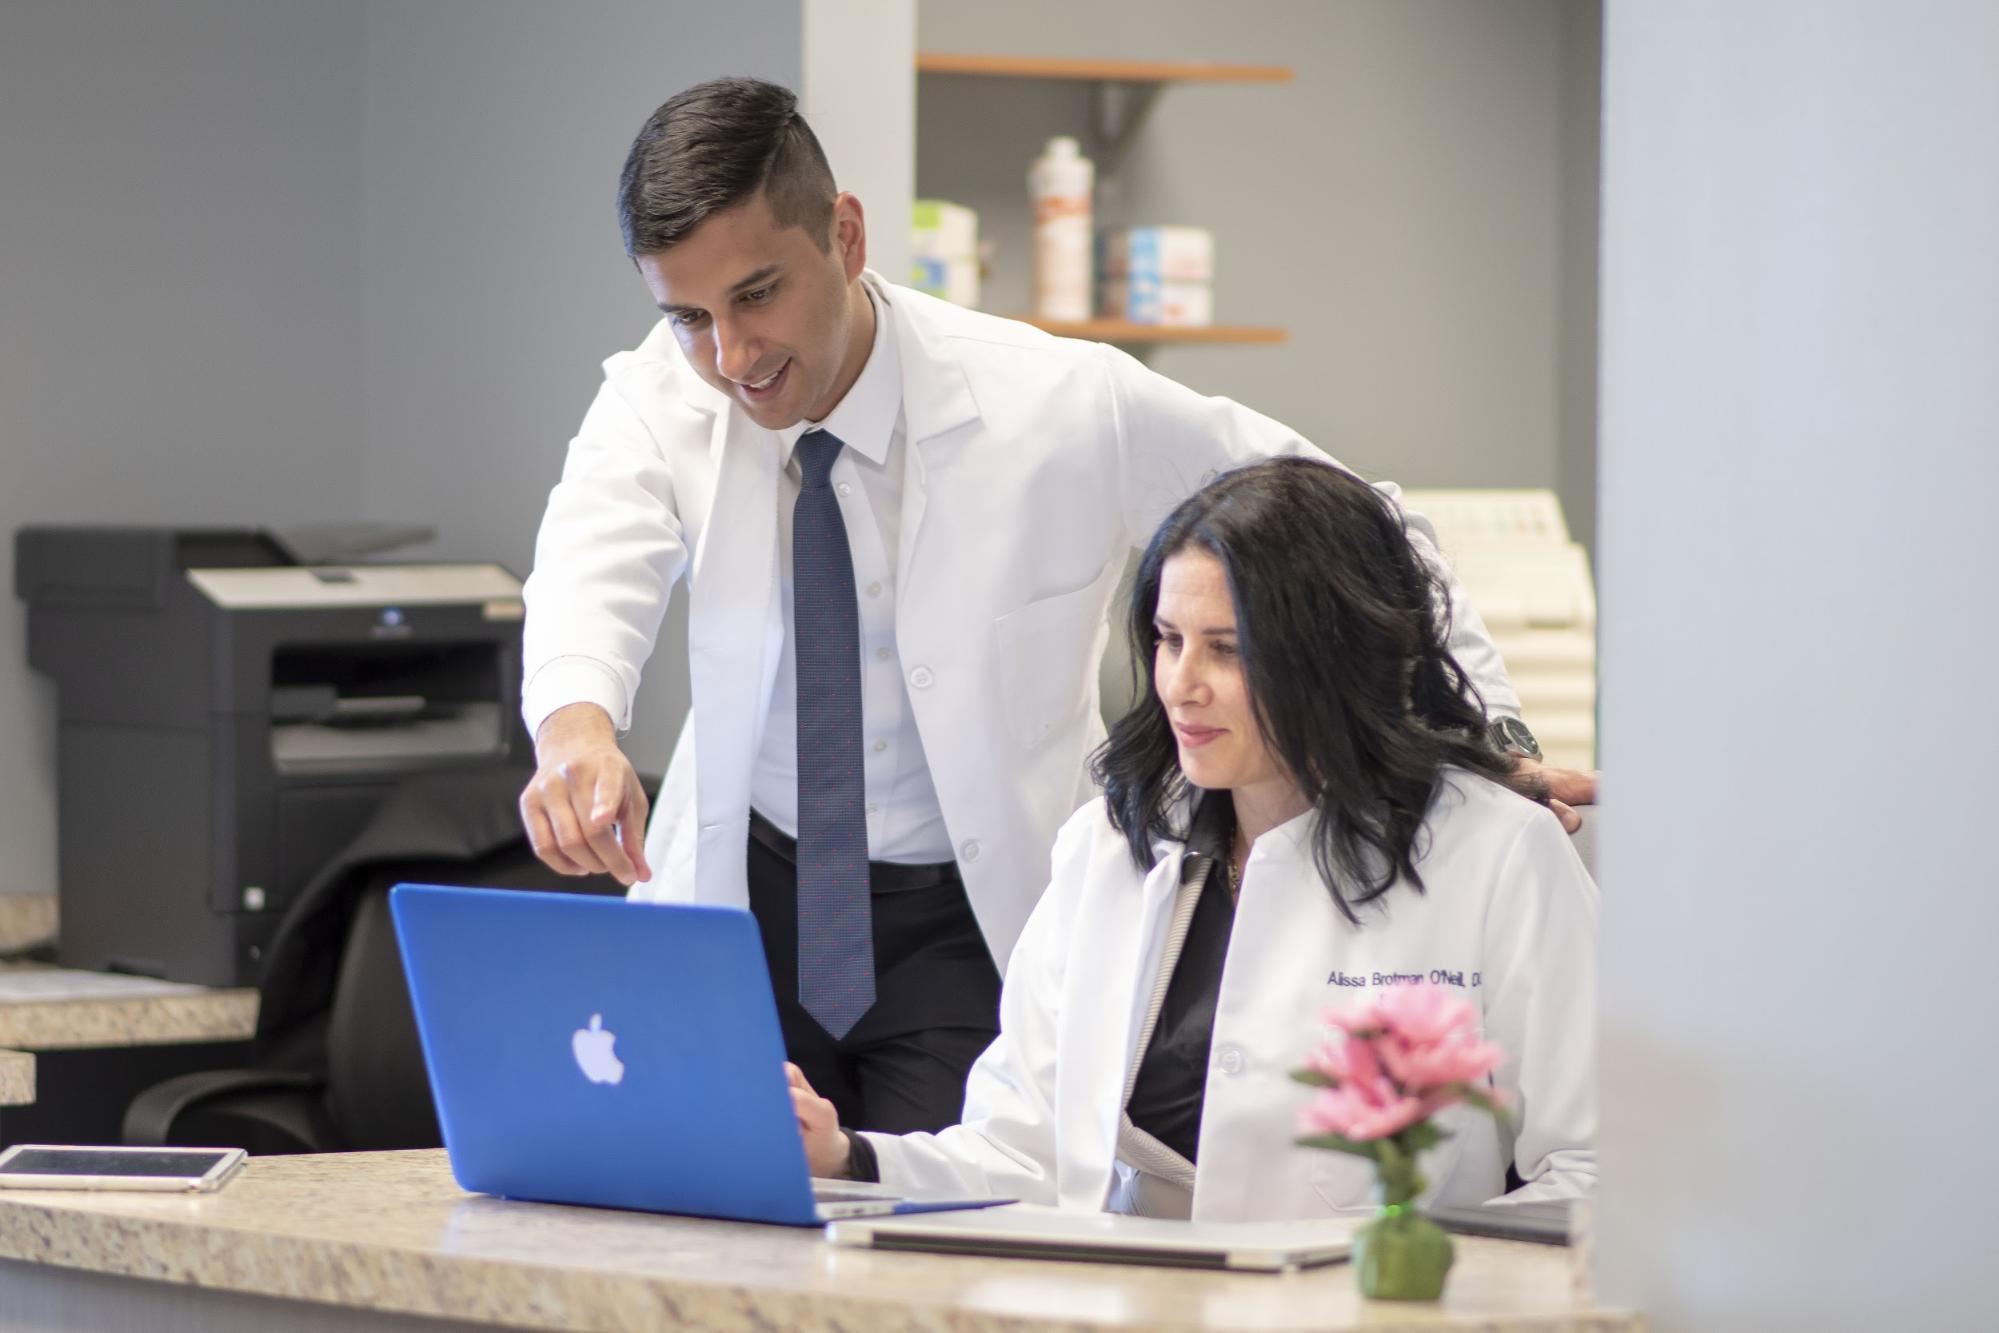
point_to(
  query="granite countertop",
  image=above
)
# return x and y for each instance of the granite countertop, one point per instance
(392, 1232)
(26, 919)
(45, 1009)
(17, 1078)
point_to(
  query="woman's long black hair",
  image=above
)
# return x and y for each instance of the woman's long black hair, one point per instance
(1341, 629)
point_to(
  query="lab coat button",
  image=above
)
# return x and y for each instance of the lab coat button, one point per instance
(921, 678)
(1230, 1060)
(970, 851)
(845, 489)
(875, 588)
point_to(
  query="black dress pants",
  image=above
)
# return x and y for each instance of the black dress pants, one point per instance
(902, 1067)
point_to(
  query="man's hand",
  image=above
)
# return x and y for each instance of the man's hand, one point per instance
(1563, 787)
(584, 810)
(827, 1152)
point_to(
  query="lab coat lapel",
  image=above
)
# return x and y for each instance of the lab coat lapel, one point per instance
(1267, 1017)
(734, 618)
(936, 402)
(1108, 1002)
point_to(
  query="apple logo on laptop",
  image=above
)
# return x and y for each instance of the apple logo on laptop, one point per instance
(593, 1052)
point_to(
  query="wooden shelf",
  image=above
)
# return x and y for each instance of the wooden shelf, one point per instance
(1121, 331)
(1098, 71)
(1123, 94)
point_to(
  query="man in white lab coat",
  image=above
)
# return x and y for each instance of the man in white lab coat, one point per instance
(901, 524)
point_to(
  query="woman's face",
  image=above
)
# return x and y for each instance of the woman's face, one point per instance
(1199, 679)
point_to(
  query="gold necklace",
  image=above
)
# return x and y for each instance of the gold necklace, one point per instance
(1233, 875)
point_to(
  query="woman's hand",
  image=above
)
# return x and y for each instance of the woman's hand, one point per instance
(827, 1152)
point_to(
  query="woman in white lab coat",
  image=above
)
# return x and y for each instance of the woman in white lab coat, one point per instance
(1299, 812)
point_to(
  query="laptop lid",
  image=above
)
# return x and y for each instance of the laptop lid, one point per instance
(598, 1051)
(1027, 1232)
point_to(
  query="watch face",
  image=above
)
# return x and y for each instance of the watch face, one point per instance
(1510, 733)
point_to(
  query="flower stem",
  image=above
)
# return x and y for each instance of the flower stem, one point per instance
(1395, 1170)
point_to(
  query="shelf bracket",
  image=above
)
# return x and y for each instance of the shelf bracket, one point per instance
(1120, 110)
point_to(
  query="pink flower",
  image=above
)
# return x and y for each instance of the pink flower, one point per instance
(1358, 1019)
(1459, 1057)
(1363, 1066)
(1397, 1061)
(1354, 1113)
(1424, 1014)
(1352, 1060)
(1330, 1060)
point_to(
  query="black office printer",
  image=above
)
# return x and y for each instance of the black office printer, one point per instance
(231, 709)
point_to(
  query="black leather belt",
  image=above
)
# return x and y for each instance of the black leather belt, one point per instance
(883, 876)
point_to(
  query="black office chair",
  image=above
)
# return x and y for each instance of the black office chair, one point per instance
(337, 1062)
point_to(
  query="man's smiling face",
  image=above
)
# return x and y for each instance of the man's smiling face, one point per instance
(765, 313)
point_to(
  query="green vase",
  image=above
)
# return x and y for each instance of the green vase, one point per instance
(1401, 1256)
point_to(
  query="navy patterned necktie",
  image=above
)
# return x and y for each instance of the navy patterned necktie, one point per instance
(836, 954)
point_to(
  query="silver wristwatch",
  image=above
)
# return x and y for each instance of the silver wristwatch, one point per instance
(1509, 735)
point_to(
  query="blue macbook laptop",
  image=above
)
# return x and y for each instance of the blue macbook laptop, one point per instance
(597, 1051)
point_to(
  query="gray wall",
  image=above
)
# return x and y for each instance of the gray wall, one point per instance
(1418, 208)
(858, 89)
(1800, 411)
(496, 279)
(1578, 220)
(267, 263)
(180, 296)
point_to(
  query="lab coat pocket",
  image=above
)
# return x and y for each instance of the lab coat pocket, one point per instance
(1048, 653)
(1343, 1181)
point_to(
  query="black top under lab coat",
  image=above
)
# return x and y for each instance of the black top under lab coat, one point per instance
(1172, 1083)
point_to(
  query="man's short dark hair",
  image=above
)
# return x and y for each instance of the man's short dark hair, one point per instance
(712, 148)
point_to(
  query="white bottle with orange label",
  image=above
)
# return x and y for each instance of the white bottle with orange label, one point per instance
(1061, 181)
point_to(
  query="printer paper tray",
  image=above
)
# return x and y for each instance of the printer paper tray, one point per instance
(467, 731)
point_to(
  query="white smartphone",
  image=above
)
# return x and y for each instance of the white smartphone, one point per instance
(46, 1166)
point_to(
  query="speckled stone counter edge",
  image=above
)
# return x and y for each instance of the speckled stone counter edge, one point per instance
(17, 1078)
(26, 919)
(51, 1025)
(521, 1295)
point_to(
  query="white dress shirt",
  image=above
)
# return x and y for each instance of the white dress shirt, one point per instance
(905, 823)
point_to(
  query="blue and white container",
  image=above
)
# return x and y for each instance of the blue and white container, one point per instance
(1143, 300)
(944, 251)
(1163, 254)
